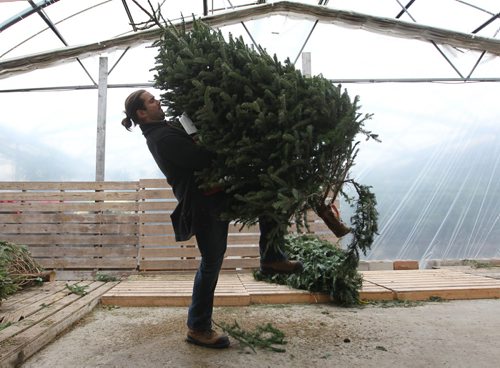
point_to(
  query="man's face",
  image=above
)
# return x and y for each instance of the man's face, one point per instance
(152, 109)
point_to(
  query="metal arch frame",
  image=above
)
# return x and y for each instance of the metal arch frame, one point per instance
(404, 10)
(44, 29)
(37, 8)
(54, 29)
(370, 23)
(25, 13)
(336, 81)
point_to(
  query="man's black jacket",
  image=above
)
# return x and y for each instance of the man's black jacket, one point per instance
(178, 157)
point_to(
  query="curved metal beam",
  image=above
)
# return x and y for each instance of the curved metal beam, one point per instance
(386, 26)
(25, 13)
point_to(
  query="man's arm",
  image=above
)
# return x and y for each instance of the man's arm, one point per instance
(181, 150)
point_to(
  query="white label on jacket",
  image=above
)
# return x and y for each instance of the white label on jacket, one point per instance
(187, 124)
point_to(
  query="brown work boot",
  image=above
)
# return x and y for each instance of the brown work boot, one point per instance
(208, 339)
(284, 266)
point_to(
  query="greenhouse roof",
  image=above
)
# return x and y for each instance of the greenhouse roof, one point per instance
(48, 32)
(416, 64)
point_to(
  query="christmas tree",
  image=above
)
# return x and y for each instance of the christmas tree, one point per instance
(284, 142)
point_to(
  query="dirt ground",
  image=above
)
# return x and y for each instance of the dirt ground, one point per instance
(431, 334)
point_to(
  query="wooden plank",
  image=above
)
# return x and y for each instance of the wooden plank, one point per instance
(169, 240)
(43, 311)
(69, 185)
(28, 342)
(157, 194)
(153, 183)
(88, 263)
(243, 238)
(89, 251)
(71, 207)
(147, 229)
(192, 264)
(162, 218)
(41, 302)
(142, 301)
(69, 228)
(155, 217)
(51, 218)
(166, 240)
(157, 206)
(422, 284)
(371, 291)
(69, 196)
(288, 298)
(252, 251)
(229, 292)
(269, 293)
(166, 228)
(26, 297)
(82, 239)
(451, 294)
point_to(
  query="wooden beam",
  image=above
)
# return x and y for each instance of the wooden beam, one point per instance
(349, 19)
(69, 185)
(101, 119)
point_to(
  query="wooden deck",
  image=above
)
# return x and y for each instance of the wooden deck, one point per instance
(424, 284)
(237, 289)
(31, 319)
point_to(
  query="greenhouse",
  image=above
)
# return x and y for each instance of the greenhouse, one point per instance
(415, 179)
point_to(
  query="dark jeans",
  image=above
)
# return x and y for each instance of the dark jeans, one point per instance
(211, 236)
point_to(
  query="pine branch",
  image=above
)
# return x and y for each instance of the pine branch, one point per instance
(264, 336)
(154, 16)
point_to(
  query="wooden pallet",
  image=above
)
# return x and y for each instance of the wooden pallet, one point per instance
(241, 289)
(36, 316)
(233, 289)
(424, 284)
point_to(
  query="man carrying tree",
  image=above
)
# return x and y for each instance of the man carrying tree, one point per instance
(198, 212)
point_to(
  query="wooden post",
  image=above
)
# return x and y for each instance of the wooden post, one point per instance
(101, 119)
(306, 64)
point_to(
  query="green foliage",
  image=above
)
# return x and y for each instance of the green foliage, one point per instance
(327, 269)
(284, 142)
(394, 303)
(5, 325)
(264, 336)
(77, 289)
(364, 222)
(476, 264)
(17, 268)
(104, 277)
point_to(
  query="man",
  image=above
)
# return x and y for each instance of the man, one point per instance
(197, 213)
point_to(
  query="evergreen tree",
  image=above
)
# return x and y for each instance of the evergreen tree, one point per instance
(284, 142)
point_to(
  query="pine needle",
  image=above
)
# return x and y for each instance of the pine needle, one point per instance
(264, 336)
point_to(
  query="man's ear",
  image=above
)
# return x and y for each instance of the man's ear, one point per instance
(141, 114)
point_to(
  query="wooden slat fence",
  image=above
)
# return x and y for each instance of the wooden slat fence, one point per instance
(112, 226)
(73, 225)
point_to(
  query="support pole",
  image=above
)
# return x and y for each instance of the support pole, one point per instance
(306, 64)
(101, 119)
(205, 8)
